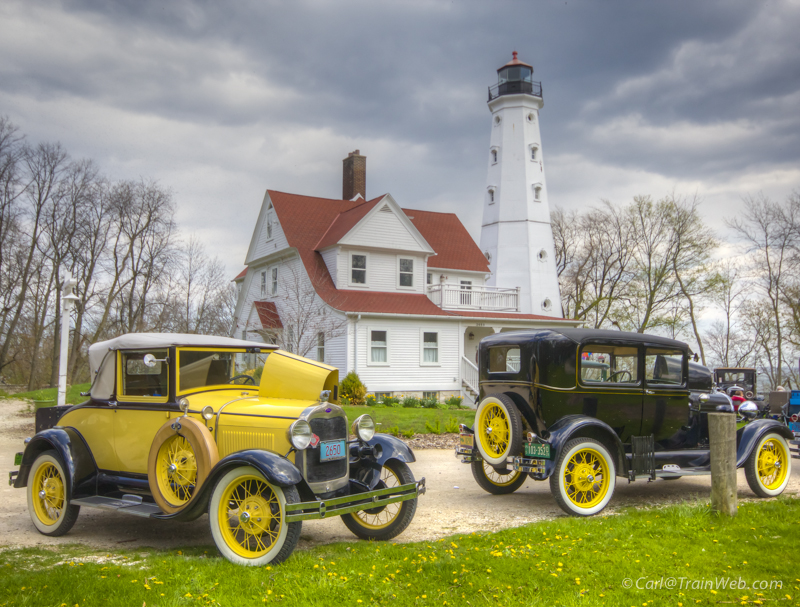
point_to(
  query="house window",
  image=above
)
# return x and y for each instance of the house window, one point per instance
(406, 272)
(263, 284)
(430, 395)
(321, 347)
(430, 348)
(379, 347)
(358, 269)
(269, 224)
(274, 288)
(466, 296)
(379, 396)
(430, 278)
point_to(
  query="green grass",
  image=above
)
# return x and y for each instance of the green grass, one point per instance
(411, 419)
(73, 394)
(567, 561)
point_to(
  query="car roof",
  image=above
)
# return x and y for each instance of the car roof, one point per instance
(581, 336)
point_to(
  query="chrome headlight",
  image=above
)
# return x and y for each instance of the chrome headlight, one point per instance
(299, 434)
(748, 410)
(184, 405)
(364, 428)
(208, 412)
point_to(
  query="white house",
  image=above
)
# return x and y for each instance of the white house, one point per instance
(401, 296)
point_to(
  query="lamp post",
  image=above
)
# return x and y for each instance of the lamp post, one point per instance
(67, 299)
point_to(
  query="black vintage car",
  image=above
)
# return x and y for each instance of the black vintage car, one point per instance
(582, 407)
(745, 379)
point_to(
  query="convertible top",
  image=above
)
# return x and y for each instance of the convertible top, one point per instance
(102, 365)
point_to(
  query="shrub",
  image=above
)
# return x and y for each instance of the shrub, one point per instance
(451, 426)
(407, 433)
(435, 428)
(352, 389)
(394, 430)
(371, 402)
(454, 402)
(428, 403)
(409, 402)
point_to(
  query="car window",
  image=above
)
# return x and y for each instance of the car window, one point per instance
(140, 380)
(504, 360)
(201, 368)
(664, 366)
(602, 363)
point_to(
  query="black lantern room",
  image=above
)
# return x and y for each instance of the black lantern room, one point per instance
(515, 78)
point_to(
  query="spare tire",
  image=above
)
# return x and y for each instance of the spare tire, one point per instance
(498, 429)
(181, 456)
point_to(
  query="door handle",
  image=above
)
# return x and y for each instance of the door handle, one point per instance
(112, 403)
(649, 392)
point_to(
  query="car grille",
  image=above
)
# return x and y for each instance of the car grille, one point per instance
(327, 429)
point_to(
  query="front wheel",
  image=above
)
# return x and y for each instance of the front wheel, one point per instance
(50, 510)
(385, 522)
(769, 466)
(247, 515)
(497, 481)
(584, 477)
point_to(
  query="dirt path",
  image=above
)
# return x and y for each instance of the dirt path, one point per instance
(453, 504)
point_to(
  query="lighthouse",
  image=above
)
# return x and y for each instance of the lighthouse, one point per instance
(516, 235)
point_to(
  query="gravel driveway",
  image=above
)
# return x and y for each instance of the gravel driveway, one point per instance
(452, 504)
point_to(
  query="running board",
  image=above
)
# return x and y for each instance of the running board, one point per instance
(674, 473)
(129, 504)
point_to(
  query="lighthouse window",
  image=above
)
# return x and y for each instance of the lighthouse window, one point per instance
(491, 195)
(494, 155)
(537, 192)
(534, 152)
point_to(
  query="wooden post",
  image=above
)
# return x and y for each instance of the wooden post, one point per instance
(722, 437)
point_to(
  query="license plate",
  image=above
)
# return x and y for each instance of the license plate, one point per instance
(331, 450)
(468, 440)
(537, 450)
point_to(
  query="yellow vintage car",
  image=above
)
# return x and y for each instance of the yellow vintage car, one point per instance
(170, 431)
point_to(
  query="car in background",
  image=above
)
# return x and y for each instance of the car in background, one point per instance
(171, 431)
(583, 407)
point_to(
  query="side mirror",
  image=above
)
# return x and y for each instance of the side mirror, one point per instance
(150, 361)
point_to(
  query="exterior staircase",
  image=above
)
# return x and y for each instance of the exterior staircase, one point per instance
(469, 382)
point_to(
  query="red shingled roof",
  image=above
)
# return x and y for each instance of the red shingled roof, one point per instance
(311, 223)
(268, 315)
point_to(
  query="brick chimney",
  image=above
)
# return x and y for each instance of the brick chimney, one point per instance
(354, 177)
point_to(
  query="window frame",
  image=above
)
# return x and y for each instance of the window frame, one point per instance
(370, 362)
(399, 272)
(263, 283)
(662, 386)
(637, 385)
(131, 398)
(320, 346)
(422, 361)
(350, 269)
(270, 223)
(273, 282)
(180, 349)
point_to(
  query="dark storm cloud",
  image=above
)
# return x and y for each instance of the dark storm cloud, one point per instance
(638, 95)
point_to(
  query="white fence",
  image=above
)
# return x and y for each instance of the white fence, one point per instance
(474, 297)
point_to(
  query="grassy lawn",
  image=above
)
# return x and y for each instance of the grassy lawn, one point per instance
(73, 394)
(679, 555)
(414, 419)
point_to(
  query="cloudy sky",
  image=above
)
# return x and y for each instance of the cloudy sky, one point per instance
(221, 100)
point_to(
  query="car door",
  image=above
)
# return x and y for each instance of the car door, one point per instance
(143, 395)
(611, 385)
(665, 405)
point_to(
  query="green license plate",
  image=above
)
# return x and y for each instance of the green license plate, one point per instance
(18, 459)
(537, 450)
(467, 440)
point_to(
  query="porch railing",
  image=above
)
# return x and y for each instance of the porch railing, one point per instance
(469, 376)
(474, 297)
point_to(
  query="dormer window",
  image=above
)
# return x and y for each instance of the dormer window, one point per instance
(358, 269)
(406, 272)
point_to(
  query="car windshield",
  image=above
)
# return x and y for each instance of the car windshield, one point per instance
(201, 368)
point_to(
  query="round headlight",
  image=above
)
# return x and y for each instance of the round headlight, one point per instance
(300, 434)
(184, 405)
(748, 410)
(208, 412)
(364, 428)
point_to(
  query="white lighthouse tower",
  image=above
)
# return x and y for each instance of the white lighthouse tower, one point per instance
(516, 235)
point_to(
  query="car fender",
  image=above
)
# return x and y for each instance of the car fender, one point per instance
(367, 470)
(573, 426)
(749, 436)
(276, 469)
(79, 465)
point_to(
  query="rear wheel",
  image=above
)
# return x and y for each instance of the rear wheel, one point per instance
(769, 466)
(498, 429)
(584, 477)
(385, 522)
(247, 515)
(48, 505)
(497, 481)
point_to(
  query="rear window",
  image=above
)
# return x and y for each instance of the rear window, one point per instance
(504, 359)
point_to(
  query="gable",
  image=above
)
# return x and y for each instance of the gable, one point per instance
(385, 226)
(268, 235)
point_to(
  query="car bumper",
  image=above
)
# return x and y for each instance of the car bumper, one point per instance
(303, 511)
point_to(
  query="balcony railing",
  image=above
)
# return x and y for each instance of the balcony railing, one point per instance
(474, 297)
(515, 87)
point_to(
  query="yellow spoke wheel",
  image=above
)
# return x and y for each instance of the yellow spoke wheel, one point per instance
(497, 481)
(247, 515)
(584, 477)
(385, 522)
(181, 456)
(48, 505)
(769, 466)
(498, 429)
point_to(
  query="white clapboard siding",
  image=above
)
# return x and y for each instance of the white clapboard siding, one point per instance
(454, 277)
(405, 371)
(383, 271)
(331, 259)
(263, 246)
(383, 229)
